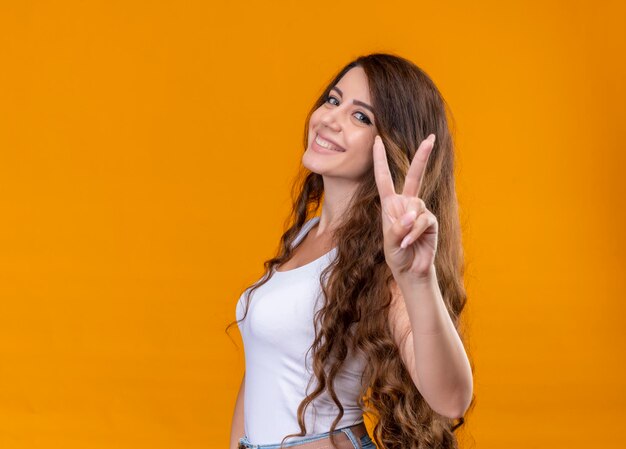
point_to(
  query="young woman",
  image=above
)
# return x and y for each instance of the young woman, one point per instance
(359, 312)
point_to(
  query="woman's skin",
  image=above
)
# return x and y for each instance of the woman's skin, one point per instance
(434, 355)
(347, 125)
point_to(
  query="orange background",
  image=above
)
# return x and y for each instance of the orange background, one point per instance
(147, 151)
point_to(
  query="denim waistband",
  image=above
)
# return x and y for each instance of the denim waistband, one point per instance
(244, 443)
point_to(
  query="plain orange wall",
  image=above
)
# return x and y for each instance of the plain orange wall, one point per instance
(147, 151)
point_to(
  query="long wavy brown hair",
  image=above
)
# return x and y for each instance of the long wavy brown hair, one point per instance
(358, 293)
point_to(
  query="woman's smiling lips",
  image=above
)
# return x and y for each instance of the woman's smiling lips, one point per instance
(320, 149)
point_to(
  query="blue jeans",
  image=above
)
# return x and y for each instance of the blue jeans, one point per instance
(366, 441)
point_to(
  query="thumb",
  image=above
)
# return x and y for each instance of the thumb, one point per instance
(402, 226)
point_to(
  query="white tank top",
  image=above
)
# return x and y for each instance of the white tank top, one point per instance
(277, 333)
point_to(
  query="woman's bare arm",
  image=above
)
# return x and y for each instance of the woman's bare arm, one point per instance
(236, 428)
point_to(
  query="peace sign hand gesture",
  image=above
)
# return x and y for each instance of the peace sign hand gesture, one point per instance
(409, 248)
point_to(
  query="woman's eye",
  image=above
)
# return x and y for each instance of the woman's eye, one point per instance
(365, 118)
(330, 97)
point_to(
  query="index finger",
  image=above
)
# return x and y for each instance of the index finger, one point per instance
(414, 176)
(384, 182)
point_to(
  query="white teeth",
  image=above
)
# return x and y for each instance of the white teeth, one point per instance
(325, 144)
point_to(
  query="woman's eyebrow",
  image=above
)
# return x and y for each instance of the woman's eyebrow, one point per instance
(360, 103)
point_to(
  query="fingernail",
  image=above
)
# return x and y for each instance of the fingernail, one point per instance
(405, 242)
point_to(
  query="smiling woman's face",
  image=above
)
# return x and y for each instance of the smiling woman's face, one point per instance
(347, 120)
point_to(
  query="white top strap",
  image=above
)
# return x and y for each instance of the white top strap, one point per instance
(305, 229)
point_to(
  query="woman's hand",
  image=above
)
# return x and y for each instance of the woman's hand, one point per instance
(409, 249)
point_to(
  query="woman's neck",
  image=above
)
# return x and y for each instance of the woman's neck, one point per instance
(337, 194)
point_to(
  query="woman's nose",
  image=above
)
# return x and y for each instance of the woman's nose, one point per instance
(330, 120)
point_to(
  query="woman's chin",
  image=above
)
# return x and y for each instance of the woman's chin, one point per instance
(314, 162)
